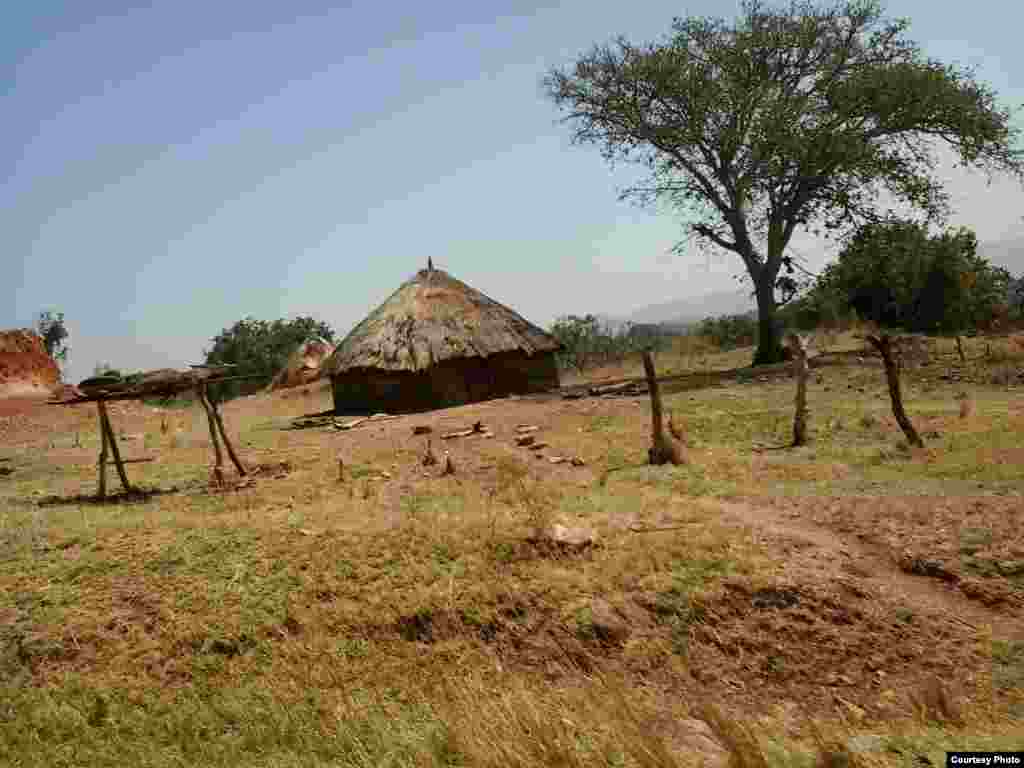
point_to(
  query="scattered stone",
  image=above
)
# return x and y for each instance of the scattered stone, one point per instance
(920, 566)
(525, 440)
(422, 430)
(608, 625)
(525, 428)
(574, 537)
(867, 742)
(537, 446)
(775, 598)
(694, 740)
(577, 461)
(556, 459)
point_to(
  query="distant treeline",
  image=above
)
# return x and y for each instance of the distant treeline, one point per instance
(892, 273)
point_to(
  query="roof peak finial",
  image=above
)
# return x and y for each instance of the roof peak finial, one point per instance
(430, 264)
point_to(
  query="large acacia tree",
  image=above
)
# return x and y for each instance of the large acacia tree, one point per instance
(786, 118)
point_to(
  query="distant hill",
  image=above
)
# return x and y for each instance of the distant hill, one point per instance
(1008, 254)
(682, 312)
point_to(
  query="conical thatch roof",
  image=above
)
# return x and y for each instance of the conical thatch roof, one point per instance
(432, 318)
(304, 365)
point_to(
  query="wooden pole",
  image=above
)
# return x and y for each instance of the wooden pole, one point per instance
(960, 349)
(883, 344)
(227, 442)
(663, 450)
(218, 470)
(799, 346)
(102, 491)
(105, 418)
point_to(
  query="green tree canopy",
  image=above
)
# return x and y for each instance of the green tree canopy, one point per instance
(260, 348)
(895, 274)
(786, 118)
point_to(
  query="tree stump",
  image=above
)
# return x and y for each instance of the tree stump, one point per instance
(663, 450)
(799, 346)
(884, 346)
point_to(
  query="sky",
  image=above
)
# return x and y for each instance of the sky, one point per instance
(168, 168)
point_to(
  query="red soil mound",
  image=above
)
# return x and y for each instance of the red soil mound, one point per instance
(25, 368)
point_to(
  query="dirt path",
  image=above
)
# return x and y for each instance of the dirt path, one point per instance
(833, 556)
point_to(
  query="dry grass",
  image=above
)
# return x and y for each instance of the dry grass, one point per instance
(402, 618)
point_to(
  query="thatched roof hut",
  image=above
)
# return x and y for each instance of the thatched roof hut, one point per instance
(436, 342)
(304, 365)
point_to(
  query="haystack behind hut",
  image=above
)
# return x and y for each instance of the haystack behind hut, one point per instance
(436, 343)
(304, 365)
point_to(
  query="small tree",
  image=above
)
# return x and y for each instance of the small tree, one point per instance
(895, 274)
(786, 117)
(51, 328)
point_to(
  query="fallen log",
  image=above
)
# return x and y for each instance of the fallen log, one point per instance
(477, 429)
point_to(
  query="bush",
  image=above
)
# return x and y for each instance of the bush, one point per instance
(587, 343)
(893, 273)
(730, 331)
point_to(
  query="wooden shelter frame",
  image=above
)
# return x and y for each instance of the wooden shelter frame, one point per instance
(162, 383)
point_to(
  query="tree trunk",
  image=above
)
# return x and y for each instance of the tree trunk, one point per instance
(799, 347)
(892, 374)
(769, 344)
(960, 349)
(663, 449)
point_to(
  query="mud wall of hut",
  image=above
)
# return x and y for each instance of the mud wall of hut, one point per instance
(447, 384)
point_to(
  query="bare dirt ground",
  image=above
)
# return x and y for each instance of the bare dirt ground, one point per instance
(788, 585)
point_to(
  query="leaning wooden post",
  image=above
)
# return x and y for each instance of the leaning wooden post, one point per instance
(224, 434)
(102, 492)
(663, 450)
(960, 349)
(218, 470)
(799, 346)
(883, 344)
(105, 418)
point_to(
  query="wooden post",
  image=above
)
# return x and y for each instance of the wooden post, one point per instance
(883, 344)
(102, 491)
(960, 349)
(663, 449)
(224, 434)
(105, 418)
(799, 346)
(219, 458)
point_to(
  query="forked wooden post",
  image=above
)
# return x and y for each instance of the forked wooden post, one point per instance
(799, 346)
(108, 432)
(883, 344)
(218, 457)
(217, 427)
(227, 441)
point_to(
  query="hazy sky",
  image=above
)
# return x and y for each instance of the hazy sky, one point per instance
(171, 167)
